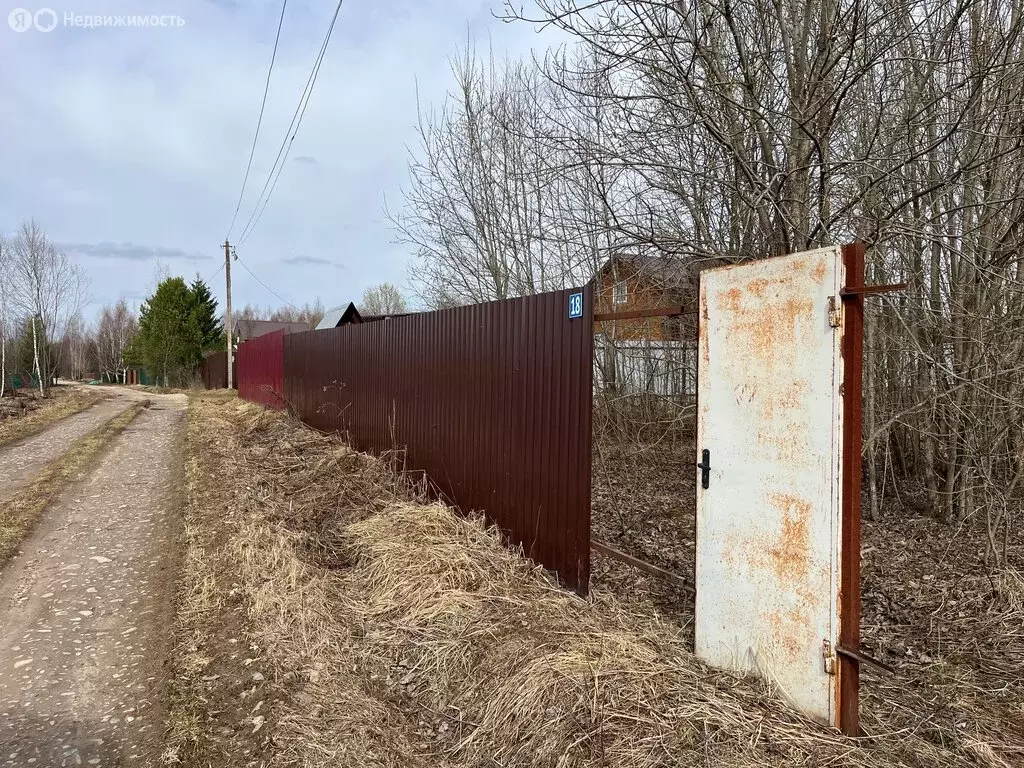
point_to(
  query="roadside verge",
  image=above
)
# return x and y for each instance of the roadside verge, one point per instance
(330, 615)
(52, 411)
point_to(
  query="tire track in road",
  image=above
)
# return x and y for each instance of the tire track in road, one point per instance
(22, 460)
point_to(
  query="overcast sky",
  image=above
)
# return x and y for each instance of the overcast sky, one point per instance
(128, 145)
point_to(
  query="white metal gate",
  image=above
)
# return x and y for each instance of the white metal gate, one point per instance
(768, 507)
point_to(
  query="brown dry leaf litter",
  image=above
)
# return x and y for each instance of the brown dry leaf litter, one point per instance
(930, 607)
(391, 632)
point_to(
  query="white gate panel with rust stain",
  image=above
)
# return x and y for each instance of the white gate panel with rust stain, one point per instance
(768, 530)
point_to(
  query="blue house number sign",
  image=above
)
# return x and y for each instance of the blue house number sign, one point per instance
(575, 305)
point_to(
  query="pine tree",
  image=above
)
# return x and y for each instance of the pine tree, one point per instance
(204, 308)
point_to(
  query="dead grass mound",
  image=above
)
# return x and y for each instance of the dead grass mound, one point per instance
(397, 633)
(514, 670)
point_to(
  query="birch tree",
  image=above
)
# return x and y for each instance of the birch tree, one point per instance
(47, 288)
(116, 330)
(5, 308)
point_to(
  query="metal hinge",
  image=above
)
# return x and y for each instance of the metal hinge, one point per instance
(829, 657)
(835, 312)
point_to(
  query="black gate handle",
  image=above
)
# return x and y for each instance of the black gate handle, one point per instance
(705, 468)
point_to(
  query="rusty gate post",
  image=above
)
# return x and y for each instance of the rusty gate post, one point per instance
(849, 601)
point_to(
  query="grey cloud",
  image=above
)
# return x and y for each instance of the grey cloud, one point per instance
(301, 260)
(146, 137)
(131, 252)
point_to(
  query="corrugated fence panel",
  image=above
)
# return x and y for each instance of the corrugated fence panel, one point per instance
(261, 370)
(492, 401)
(214, 370)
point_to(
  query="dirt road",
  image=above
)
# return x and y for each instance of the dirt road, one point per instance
(85, 609)
(22, 460)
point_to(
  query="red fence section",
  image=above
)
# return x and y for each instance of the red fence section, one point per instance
(493, 401)
(261, 370)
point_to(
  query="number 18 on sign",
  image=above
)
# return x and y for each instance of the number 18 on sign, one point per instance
(575, 305)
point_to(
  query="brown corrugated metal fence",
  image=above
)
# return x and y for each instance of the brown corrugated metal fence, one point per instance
(493, 401)
(214, 370)
(260, 366)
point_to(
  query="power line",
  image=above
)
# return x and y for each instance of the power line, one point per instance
(259, 122)
(253, 276)
(290, 134)
(286, 145)
(211, 277)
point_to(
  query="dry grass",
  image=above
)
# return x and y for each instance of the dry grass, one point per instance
(158, 390)
(19, 515)
(391, 632)
(61, 404)
(200, 608)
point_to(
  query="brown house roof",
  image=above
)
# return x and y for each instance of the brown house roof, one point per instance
(251, 329)
(666, 270)
(662, 279)
(675, 275)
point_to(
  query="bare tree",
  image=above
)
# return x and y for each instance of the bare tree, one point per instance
(310, 314)
(76, 348)
(491, 187)
(383, 299)
(49, 290)
(746, 129)
(117, 327)
(5, 304)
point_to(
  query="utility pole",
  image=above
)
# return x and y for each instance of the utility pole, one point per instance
(227, 315)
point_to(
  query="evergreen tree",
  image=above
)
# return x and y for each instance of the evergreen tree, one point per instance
(204, 307)
(25, 362)
(170, 341)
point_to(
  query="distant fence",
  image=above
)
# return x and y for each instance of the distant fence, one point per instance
(260, 370)
(214, 370)
(492, 401)
(21, 381)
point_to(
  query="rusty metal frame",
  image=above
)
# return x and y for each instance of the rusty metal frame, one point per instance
(848, 689)
(863, 658)
(635, 314)
(869, 290)
(641, 565)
